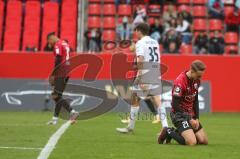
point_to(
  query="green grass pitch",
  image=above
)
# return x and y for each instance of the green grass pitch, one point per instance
(97, 138)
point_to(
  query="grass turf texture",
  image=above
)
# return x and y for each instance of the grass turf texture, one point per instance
(97, 138)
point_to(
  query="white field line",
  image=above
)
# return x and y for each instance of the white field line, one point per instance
(46, 151)
(21, 148)
(22, 125)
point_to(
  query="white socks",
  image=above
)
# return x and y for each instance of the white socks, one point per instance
(133, 115)
(54, 118)
(73, 111)
(163, 116)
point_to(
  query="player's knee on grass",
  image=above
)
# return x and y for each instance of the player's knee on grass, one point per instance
(189, 137)
(190, 141)
(201, 137)
(203, 141)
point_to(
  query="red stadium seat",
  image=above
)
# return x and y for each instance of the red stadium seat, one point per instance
(94, 22)
(69, 11)
(228, 10)
(200, 2)
(69, 23)
(124, 9)
(184, 8)
(183, 1)
(231, 38)
(1, 20)
(94, 9)
(109, 23)
(30, 39)
(94, 1)
(199, 11)
(199, 25)
(109, 35)
(12, 33)
(108, 1)
(11, 41)
(151, 20)
(231, 49)
(50, 20)
(31, 24)
(215, 24)
(186, 49)
(154, 10)
(109, 9)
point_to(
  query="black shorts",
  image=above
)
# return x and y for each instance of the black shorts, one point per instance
(181, 122)
(59, 86)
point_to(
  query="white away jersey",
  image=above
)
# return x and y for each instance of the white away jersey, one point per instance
(149, 48)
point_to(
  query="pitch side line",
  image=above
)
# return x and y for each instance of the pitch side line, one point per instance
(21, 148)
(46, 151)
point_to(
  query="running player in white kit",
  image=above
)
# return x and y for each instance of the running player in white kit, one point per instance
(147, 85)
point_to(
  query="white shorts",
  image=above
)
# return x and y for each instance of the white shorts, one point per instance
(150, 90)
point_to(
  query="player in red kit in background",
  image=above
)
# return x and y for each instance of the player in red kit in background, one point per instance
(61, 51)
(185, 109)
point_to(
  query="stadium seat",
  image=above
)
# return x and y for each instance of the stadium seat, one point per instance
(109, 9)
(94, 9)
(31, 24)
(109, 23)
(184, 8)
(151, 20)
(1, 20)
(199, 2)
(184, 2)
(199, 25)
(228, 10)
(69, 11)
(154, 10)
(215, 24)
(69, 23)
(94, 22)
(30, 39)
(94, 1)
(124, 10)
(231, 38)
(199, 11)
(12, 40)
(186, 49)
(13, 26)
(109, 35)
(108, 1)
(231, 49)
(50, 20)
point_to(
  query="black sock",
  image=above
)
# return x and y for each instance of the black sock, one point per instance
(151, 106)
(176, 136)
(57, 108)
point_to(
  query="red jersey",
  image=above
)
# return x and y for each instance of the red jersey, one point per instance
(187, 90)
(61, 53)
(62, 49)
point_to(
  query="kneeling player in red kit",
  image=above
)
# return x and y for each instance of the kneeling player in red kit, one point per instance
(185, 109)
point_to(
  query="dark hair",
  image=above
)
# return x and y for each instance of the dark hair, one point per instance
(50, 34)
(143, 28)
(198, 65)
